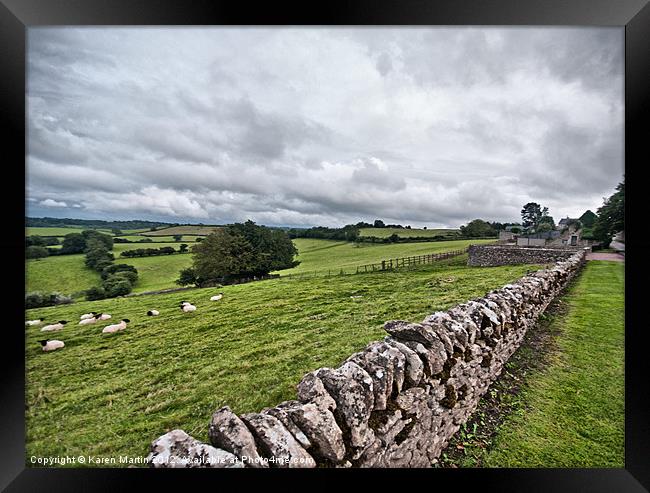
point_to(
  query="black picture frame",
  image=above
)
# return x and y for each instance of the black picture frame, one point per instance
(634, 15)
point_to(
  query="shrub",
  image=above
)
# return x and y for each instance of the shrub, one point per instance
(116, 286)
(95, 293)
(130, 276)
(36, 252)
(38, 299)
(113, 268)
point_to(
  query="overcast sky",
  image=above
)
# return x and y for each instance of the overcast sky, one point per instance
(322, 126)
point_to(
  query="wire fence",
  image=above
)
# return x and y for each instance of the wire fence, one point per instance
(384, 265)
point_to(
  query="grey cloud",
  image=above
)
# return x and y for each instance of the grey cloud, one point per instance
(434, 126)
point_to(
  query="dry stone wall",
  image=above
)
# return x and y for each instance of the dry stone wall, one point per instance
(396, 403)
(492, 255)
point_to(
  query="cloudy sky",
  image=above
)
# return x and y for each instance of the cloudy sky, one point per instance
(322, 126)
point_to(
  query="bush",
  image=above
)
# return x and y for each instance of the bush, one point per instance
(132, 277)
(95, 293)
(38, 299)
(113, 268)
(116, 286)
(36, 252)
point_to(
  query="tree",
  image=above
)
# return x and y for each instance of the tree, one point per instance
(394, 238)
(178, 237)
(97, 255)
(183, 248)
(477, 228)
(222, 255)
(611, 216)
(273, 248)
(544, 227)
(36, 252)
(531, 214)
(588, 219)
(73, 243)
(91, 234)
(546, 220)
(379, 223)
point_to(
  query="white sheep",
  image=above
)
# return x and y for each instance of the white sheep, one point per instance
(104, 316)
(115, 327)
(56, 326)
(88, 315)
(153, 313)
(38, 321)
(51, 345)
(88, 321)
(216, 297)
(187, 307)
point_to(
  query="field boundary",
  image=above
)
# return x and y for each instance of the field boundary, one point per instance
(383, 265)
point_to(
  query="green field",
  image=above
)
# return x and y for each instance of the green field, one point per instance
(405, 233)
(155, 239)
(105, 395)
(122, 247)
(183, 230)
(573, 413)
(156, 273)
(66, 274)
(51, 231)
(325, 255)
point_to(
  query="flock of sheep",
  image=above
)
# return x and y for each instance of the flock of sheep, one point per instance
(94, 317)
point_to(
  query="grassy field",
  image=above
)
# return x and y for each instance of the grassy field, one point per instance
(405, 233)
(51, 231)
(155, 273)
(324, 255)
(66, 274)
(105, 395)
(182, 230)
(572, 414)
(122, 247)
(155, 239)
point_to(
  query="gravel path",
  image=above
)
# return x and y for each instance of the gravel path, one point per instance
(616, 257)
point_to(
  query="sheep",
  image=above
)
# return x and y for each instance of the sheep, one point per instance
(88, 321)
(187, 307)
(88, 315)
(217, 297)
(103, 316)
(38, 321)
(109, 329)
(56, 326)
(51, 345)
(153, 313)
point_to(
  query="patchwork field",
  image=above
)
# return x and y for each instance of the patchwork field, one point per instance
(329, 255)
(106, 395)
(68, 274)
(405, 233)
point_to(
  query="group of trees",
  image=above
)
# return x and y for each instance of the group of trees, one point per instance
(611, 216)
(238, 251)
(349, 232)
(535, 218)
(477, 228)
(51, 222)
(151, 252)
(126, 240)
(117, 279)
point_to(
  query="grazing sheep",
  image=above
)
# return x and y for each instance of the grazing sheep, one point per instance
(88, 321)
(38, 321)
(115, 327)
(57, 326)
(51, 345)
(103, 316)
(153, 313)
(88, 315)
(187, 307)
(217, 297)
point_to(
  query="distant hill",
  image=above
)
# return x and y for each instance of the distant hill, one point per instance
(191, 229)
(49, 222)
